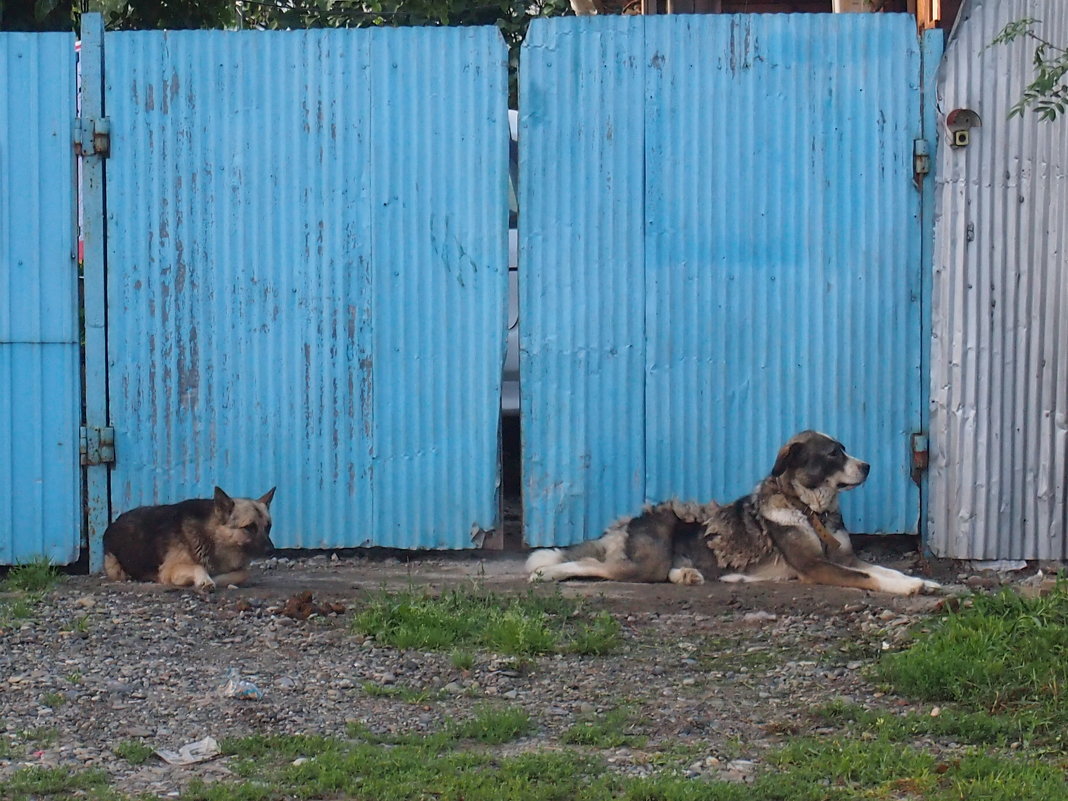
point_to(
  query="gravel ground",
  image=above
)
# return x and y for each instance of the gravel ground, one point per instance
(720, 671)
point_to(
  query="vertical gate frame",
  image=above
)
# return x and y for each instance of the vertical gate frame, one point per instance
(931, 45)
(94, 229)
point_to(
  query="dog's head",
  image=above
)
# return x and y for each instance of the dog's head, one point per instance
(817, 467)
(244, 523)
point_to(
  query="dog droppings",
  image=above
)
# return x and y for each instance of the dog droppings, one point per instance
(302, 606)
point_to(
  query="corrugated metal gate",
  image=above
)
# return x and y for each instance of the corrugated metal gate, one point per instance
(306, 276)
(40, 486)
(720, 243)
(306, 246)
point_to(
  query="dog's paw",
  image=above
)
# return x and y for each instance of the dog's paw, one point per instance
(537, 577)
(685, 575)
(930, 587)
(204, 584)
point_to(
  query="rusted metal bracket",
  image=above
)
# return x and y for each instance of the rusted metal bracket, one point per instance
(92, 137)
(921, 157)
(920, 456)
(97, 446)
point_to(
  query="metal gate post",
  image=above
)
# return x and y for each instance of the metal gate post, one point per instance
(95, 294)
(930, 57)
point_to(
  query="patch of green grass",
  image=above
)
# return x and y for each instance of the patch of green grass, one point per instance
(411, 695)
(615, 728)
(492, 725)
(25, 585)
(440, 766)
(43, 736)
(975, 728)
(831, 769)
(135, 752)
(598, 637)
(79, 624)
(53, 700)
(30, 784)
(36, 576)
(462, 659)
(367, 771)
(1000, 653)
(476, 618)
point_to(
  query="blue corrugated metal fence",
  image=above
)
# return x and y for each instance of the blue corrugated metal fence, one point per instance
(720, 243)
(40, 489)
(306, 258)
(307, 268)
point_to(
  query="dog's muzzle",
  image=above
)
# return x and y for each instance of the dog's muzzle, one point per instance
(862, 468)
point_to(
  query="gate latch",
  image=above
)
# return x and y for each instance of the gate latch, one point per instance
(97, 446)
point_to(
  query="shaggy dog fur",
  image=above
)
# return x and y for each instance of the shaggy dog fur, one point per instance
(789, 527)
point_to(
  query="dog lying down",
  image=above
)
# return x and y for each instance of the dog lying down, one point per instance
(789, 527)
(199, 542)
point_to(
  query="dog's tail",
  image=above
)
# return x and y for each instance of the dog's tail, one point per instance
(544, 557)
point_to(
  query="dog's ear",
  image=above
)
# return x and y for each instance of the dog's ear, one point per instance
(224, 504)
(266, 499)
(786, 458)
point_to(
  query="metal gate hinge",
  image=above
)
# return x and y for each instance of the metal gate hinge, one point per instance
(921, 157)
(97, 446)
(92, 137)
(920, 455)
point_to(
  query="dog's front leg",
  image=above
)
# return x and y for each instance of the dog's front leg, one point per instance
(868, 577)
(186, 575)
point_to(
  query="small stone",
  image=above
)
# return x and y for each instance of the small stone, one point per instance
(758, 617)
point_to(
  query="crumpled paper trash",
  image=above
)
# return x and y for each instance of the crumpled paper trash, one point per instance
(191, 753)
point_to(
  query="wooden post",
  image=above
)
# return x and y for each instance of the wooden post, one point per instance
(850, 6)
(928, 13)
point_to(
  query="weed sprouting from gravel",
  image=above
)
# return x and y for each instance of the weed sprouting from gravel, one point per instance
(135, 752)
(612, 729)
(35, 576)
(516, 625)
(26, 585)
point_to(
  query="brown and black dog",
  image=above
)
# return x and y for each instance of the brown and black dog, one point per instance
(200, 542)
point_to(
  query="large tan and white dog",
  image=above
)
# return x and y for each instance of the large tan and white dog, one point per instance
(788, 527)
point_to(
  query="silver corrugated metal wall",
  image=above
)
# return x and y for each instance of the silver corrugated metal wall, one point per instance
(307, 268)
(721, 244)
(40, 488)
(999, 368)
